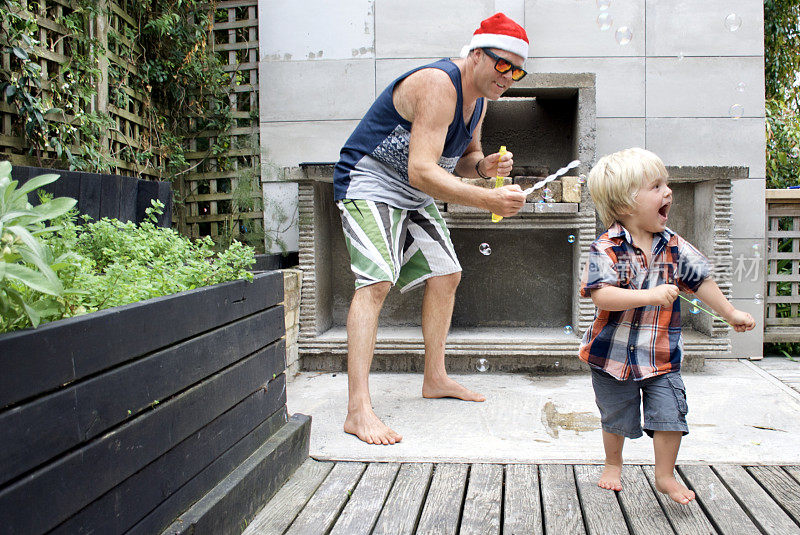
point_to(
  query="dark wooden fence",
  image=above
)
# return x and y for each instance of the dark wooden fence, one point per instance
(123, 419)
(120, 197)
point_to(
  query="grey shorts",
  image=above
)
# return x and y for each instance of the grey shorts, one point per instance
(663, 398)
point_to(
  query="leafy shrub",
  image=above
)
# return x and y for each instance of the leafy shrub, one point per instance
(100, 264)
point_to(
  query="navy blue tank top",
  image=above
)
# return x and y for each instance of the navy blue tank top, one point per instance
(373, 163)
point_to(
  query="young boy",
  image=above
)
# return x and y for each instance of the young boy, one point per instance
(634, 346)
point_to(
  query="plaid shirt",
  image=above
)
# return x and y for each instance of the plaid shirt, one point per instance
(644, 341)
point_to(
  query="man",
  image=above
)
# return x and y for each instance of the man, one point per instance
(422, 128)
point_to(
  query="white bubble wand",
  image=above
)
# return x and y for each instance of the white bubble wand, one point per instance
(571, 165)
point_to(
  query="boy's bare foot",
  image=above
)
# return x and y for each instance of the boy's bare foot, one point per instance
(447, 388)
(676, 491)
(368, 427)
(611, 477)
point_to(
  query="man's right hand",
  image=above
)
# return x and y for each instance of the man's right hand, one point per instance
(663, 295)
(507, 200)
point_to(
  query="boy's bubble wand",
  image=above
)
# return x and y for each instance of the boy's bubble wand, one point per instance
(499, 181)
(695, 305)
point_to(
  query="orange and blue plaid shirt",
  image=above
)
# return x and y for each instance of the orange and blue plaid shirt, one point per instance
(645, 341)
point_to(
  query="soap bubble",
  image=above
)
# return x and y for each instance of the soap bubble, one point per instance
(577, 188)
(571, 238)
(736, 111)
(604, 20)
(733, 22)
(756, 250)
(603, 4)
(557, 364)
(547, 192)
(540, 201)
(758, 299)
(741, 86)
(581, 179)
(680, 55)
(568, 329)
(795, 152)
(695, 310)
(482, 365)
(624, 35)
(485, 249)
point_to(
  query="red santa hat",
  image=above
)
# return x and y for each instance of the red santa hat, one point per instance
(499, 31)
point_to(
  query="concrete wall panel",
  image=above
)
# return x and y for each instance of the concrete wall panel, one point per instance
(705, 87)
(698, 28)
(316, 90)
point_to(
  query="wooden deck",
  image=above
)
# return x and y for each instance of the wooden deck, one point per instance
(350, 498)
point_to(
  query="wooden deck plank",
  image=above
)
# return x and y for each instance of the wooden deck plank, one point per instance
(482, 505)
(282, 509)
(366, 502)
(758, 504)
(442, 509)
(793, 471)
(324, 506)
(721, 507)
(783, 488)
(562, 510)
(402, 508)
(601, 510)
(686, 519)
(640, 505)
(523, 510)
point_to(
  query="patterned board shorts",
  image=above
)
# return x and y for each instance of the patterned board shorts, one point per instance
(404, 247)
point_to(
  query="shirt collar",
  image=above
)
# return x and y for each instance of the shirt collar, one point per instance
(618, 231)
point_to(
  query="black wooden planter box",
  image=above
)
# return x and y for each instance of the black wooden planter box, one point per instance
(122, 419)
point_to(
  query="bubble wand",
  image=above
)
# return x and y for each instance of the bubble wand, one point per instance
(695, 305)
(499, 181)
(571, 165)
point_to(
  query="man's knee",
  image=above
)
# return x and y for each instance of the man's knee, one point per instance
(445, 283)
(376, 292)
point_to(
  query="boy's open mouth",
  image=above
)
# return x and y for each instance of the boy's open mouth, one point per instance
(664, 210)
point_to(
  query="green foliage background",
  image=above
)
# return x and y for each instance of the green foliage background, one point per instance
(782, 68)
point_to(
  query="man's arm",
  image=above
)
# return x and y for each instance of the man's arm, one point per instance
(491, 165)
(431, 100)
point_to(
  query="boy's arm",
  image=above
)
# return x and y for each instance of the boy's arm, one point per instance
(614, 298)
(710, 294)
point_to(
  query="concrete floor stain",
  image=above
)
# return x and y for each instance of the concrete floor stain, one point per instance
(573, 421)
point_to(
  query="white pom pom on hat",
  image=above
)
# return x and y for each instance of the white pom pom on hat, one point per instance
(499, 31)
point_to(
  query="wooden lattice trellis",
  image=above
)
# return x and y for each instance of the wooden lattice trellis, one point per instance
(782, 321)
(217, 191)
(210, 191)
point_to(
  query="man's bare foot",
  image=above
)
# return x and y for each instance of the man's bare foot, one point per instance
(368, 427)
(611, 477)
(676, 491)
(447, 388)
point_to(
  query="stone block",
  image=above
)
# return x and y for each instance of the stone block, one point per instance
(571, 189)
(747, 222)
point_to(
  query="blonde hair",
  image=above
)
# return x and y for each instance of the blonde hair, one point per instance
(615, 179)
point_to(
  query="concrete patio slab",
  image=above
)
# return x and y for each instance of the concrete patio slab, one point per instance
(738, 413)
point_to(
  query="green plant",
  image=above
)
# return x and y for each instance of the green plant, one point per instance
(76, 265)
(30, 288)
(782, 76)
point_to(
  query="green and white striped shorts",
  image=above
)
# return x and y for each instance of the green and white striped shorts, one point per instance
(404, 247)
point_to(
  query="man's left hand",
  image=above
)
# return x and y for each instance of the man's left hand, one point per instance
(495, 165)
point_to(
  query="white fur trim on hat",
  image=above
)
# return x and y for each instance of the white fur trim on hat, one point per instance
(503, 42)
